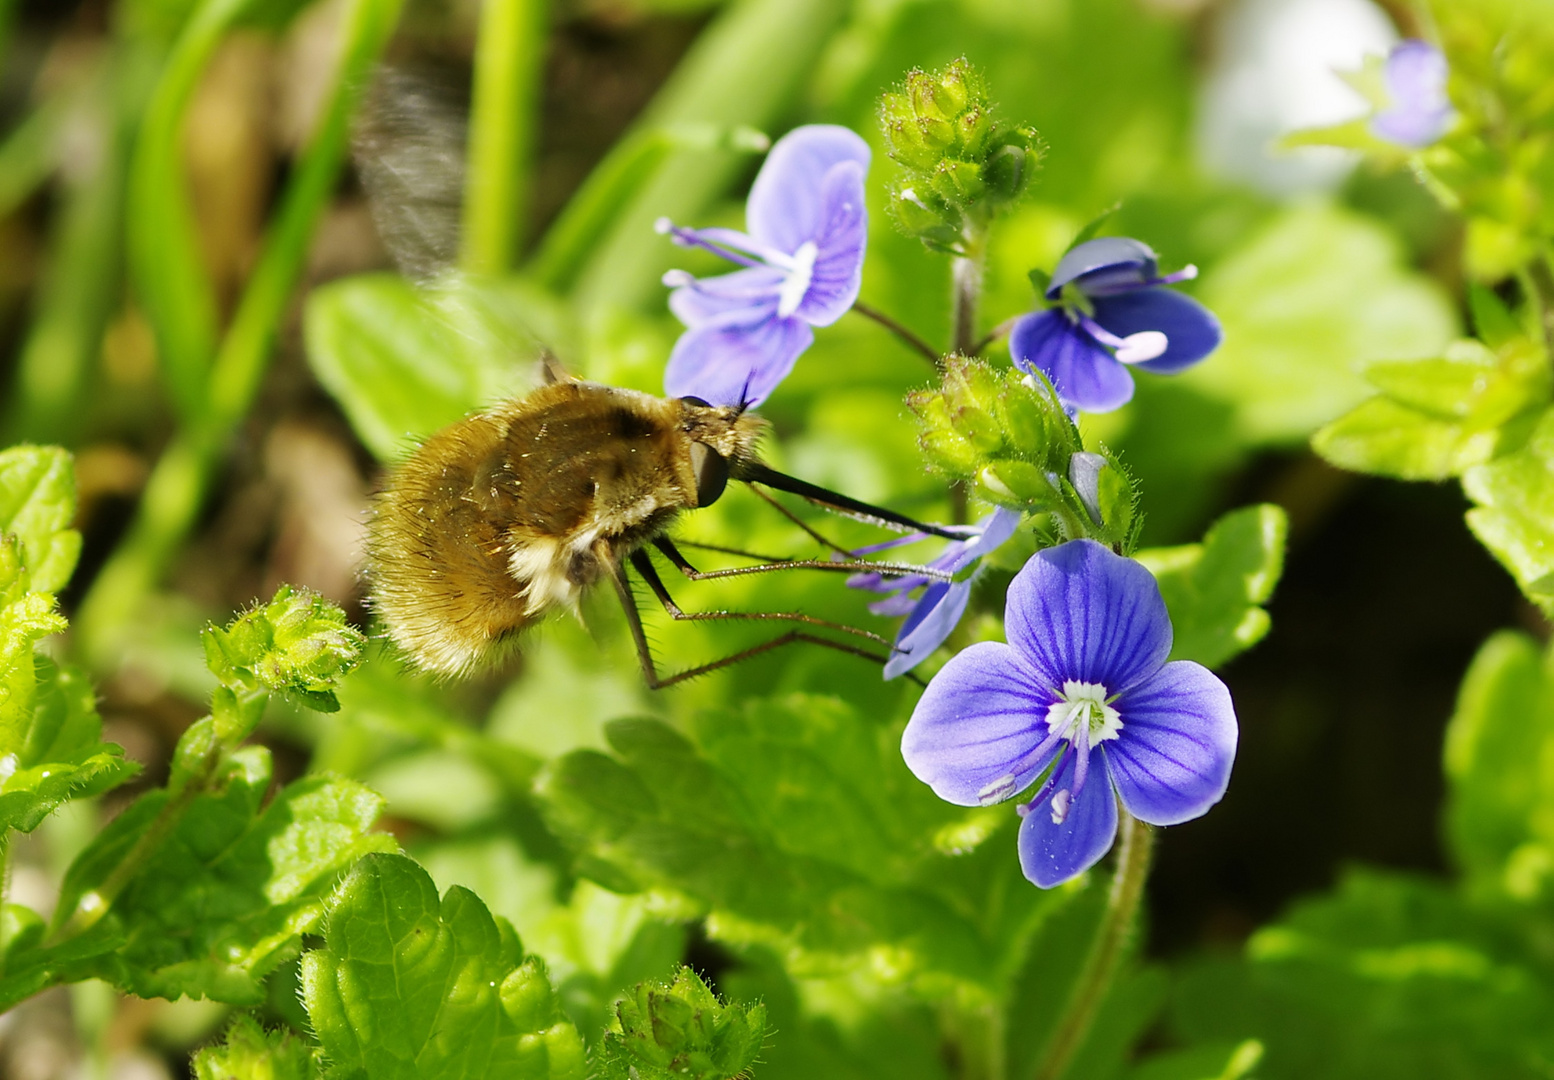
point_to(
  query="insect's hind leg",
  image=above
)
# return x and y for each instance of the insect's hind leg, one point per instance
(650, 673)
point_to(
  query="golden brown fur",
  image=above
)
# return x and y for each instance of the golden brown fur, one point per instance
(501, 516)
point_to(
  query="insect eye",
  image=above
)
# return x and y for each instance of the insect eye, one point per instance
(711, 470)
(696, 401)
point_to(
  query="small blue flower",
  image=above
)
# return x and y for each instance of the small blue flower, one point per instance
(1419, 112)
(1112, 314)
(803, 260)
(1083, 694)
(934, 614)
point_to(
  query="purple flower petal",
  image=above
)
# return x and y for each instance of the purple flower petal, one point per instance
(1190, 328)
(1050, 853)
(997, 528)
(1132, 263)
(932, 619)
(1086, 376)
(838, 271)
(1171, 762)
(736, 358)
(1079, 612)
(973, 733)
(693, 304)
(1420, 112)
(787, 204)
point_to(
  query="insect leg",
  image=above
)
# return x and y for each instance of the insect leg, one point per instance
(645, 653)
(846, 566)
(644, 566)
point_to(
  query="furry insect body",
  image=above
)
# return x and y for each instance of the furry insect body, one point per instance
(502, 516)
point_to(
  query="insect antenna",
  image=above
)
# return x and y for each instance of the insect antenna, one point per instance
(754, 472)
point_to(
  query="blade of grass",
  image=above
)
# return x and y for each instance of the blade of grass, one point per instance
(80, 286)
(743, 70)
(29, 155)
(178, 484)
(166, 267)
(504, 117)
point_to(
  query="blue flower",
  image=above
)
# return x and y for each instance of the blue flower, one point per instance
(1419, 112)
(803, 264)
(1112, 314)
(1081, 698)
(932, 615)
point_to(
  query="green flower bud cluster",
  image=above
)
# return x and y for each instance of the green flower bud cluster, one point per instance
(680, 1031)
(297, 644)
(960, 164)
(1004, 433)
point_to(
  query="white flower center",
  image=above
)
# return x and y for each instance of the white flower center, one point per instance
(1082, 716)
(800, 269)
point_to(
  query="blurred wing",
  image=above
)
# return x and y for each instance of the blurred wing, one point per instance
(409, 151)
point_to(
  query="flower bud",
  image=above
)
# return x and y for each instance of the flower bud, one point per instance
(958, 182)
(972, 129)
(1018, 485)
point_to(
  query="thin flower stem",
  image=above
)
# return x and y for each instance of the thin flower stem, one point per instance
(1111, 938)
(967, 276)
(1001, 330)
(911, 339)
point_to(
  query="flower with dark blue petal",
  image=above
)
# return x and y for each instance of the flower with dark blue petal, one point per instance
(933, 614)
(1112, 313)
(1082, 701)
(1418, 111)
(802, 259)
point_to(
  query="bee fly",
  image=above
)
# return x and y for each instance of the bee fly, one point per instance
(506, 514)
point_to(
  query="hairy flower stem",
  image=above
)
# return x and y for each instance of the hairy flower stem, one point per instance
(910, 339)
(966, 290)
(1111, 938)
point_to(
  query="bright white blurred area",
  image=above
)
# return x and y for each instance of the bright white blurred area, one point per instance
(1273, 72)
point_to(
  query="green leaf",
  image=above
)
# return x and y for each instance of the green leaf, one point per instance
(25, 619)
(410, 986)
(663, 1031)
(248, 1052)
(1310, 300)
(63, 757)
(1500, 765)
(37, 504)
(1440, 417)
(219, 890)
(1514, 516)
(1388, 978)
(795, 824)
(1383, 437)
(1492, 320)
(1214, 590)
(404, 361)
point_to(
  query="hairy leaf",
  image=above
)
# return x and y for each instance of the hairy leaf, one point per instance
(1388, 977)
(37, 503)
(219, 889)
(416, 987)
(1500, 762)
(1514, 516)
(1214, 590)
(404, 362)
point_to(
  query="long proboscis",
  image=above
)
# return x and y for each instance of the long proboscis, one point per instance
(756, 473)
